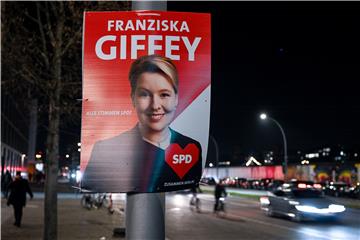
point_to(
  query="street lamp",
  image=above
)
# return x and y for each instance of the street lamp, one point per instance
(263, 116)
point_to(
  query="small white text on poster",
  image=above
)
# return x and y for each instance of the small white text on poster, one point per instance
(109, 113)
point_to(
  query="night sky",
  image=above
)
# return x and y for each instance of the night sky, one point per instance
(299, 62)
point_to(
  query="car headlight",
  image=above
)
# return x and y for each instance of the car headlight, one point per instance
(264, 200)
(294, 203)
(335, 208)
(305, 208)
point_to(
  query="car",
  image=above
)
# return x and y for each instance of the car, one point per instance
(241, 182)
(300, 203)
(229, 181)
(337, 189)
(207, 181)
(63, 179)
(253, 183)
(354, 191)
(275, 184)
(294, 184)
(264, 183)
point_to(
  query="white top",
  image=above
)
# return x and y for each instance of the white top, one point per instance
(163, 144)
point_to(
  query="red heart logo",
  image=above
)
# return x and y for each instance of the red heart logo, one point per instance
(182, 160)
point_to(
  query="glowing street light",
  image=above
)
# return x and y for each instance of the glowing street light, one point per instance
(263, 116)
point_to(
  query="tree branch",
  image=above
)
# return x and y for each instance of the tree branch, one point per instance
(72, 84)
(43, 39)
(31, 18)
(51, 34)
(71, 41)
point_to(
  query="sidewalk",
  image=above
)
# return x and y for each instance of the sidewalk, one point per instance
(74, 222)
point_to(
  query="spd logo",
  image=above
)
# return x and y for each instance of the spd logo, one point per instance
(181, 160)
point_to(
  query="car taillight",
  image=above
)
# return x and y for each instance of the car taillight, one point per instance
(318, 186)
(301, 185)
(304, 185)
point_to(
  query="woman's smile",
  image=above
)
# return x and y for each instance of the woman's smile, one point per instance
(155, 117)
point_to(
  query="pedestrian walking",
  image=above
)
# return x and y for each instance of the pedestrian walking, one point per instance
(18, 189)
(195, 201)
(5, 182)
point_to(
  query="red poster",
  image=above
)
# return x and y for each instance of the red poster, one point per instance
(146, 107)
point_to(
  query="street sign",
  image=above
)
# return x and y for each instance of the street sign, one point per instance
(146, 108)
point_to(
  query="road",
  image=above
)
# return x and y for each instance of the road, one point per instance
(244, 220)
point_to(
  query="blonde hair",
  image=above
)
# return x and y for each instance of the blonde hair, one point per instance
(153, 64)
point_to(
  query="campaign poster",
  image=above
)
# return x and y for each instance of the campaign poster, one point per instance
(146, 100)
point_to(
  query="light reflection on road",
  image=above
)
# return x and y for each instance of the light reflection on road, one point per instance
(180, 200)
(332, 232)
(244, 210)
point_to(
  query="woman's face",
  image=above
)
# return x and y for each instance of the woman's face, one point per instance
(155, 102)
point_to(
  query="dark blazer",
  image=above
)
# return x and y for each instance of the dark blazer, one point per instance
(18, 190)
(127, 163)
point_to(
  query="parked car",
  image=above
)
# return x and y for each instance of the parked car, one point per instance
(253, 184)
(337, 189)
(207, 181)
(298, 183)
(303, 184)
(354, 191)
(229, 181)
(275, 184)
(300, 203)
(264, 183)
(241, 182)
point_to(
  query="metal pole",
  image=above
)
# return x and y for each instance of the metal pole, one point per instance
(145, 216)
(145, 212)
(149, 5)
(285, 146)
(217, 156)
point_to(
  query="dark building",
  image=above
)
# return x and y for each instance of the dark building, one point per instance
(334, 163)
(14, 135)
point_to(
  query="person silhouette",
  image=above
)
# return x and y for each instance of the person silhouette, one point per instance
(5, 182)
(18, 189)
(219, 192)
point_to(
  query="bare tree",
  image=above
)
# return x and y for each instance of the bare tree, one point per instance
(41, 52)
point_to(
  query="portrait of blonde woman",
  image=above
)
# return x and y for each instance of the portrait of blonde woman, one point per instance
(146, 157)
